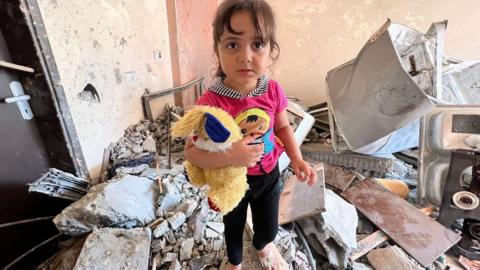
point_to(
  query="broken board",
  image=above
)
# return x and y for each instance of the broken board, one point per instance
(338, 177)
(419, 235)
(299, 200)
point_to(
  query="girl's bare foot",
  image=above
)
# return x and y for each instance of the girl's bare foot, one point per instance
(230, 266)
(271, 259)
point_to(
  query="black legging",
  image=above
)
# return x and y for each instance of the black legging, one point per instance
(263, 196)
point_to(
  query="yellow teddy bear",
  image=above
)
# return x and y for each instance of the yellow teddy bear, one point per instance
(214, 130)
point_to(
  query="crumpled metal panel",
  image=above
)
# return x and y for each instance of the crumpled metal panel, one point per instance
(443, 130)
(461, 82)
(377, 98)
(56, 183)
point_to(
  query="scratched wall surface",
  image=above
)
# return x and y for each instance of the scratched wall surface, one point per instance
(110, 45)
(318, 35)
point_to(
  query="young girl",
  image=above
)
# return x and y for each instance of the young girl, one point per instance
(245, 45)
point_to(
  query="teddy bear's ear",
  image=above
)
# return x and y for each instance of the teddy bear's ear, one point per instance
(188, 123)
(215, 129)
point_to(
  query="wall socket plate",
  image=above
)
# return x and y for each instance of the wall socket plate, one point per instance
(130, 76)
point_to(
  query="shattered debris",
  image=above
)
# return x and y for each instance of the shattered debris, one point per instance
(126, 202)
(333, 232)
(113, 248)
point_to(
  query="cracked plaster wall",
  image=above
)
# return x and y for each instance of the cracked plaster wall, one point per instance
(318, 35)
(109, 44)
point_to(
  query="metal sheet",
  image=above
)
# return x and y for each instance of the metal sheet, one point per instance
(419, 235)
(338, 177)
(299, 200)
(386, 87)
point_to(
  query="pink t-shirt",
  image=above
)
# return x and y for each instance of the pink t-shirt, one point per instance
(255, 114)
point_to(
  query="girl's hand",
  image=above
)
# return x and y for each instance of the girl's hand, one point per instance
(304, 171)
(241, 154)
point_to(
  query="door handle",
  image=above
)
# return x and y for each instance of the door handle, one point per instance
(20, 99)
(16, 99)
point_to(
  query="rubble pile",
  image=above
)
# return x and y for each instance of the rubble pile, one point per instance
(141, 143)
(159, 207)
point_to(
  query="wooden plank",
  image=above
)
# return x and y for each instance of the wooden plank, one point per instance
(419, 235)
(16, 67)
(338, 177)
(368, 243)
(299, 200)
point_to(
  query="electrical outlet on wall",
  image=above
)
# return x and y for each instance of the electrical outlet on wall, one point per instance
(130, 76)
(157, 55)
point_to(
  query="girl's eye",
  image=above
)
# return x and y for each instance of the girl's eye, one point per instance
(257, 45)
(232, 45)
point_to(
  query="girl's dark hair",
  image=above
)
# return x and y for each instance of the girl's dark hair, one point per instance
(261, 13)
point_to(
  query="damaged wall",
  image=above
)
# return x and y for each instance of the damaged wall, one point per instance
(318, 35)
(191, 43)
(104, 51)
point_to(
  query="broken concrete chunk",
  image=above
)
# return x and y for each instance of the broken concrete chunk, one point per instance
(199, 221)
(203, 261)
(175, 265)
(217, 244)
(158, 245)
(170, 238)
(154, 173)
(209, 233)
(170, 197)
(391, 258)
(125, 154)
(127, 202)
(137, 149)
(216, 226)
(149, 144)
(161, 229)
(187, 207)
(176, 220)
(114, 248)
(334, 229)
(186, 249)
(132, 170)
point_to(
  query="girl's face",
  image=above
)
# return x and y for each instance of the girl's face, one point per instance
(243, 58)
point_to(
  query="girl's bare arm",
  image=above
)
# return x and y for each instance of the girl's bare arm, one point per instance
(284, 132)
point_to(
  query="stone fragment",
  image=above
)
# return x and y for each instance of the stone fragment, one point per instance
(115, 248)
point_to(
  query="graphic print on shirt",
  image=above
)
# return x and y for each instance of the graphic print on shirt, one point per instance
(255, 122)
